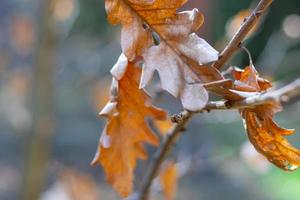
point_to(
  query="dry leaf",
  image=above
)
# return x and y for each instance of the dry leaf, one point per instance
(263, 132)
(72, 185)
(79, 186)
(121, 143)
(177, 51)
(168, 179)
(270, 143)
(163, 126)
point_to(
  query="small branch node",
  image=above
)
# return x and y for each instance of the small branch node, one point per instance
(177, 118)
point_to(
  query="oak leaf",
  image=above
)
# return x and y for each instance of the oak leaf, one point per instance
(265, 135)
(79, 185)
(163, 126)
(168, 178)
(121, 143)
(167, 43)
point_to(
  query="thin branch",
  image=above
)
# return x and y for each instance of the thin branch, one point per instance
(242, 33)
(162, 152)
(182, 120)
(248, 53)
(283, 94)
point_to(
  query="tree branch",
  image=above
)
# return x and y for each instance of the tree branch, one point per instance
(185, 116)
(162, 152)
(241, 34)
(283, 94)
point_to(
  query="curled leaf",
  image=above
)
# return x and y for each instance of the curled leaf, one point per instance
(265, 135)
(269, 141)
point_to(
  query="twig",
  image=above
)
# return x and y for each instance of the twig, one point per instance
(162, 152)
(177, 129)
(241, 34)
(283, 94)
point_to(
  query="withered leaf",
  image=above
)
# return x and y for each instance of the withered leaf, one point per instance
(269, 141)
(121, 143)
(179, 49)
(163, 126)
(263, 132)
(78, 185)
(168, 178)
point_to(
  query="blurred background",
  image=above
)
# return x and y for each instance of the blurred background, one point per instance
(55, 57)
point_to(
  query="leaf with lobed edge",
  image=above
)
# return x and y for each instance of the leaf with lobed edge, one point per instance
(180, 52)
(121, 143)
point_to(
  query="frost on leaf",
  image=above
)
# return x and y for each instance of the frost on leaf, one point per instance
(121, 143)
(166, 41)
(265, 135)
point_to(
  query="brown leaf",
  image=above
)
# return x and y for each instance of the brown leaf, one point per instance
(248, 80)
(269, 142)
(163, 126)
(146, 23)
(169, 178)
(121, 143)
(265, 135)
(79, 185)
(247, 83)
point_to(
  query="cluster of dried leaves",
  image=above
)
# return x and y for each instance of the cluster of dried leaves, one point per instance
(160, 39)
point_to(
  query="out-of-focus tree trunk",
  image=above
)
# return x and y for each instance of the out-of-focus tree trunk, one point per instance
(39, 142)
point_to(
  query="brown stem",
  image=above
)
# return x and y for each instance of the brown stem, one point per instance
(241, 34)
(177, 129)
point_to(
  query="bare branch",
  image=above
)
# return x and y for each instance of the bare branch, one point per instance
(241, 34)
